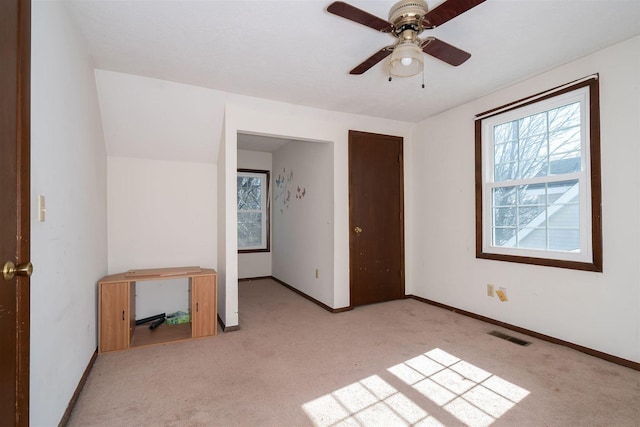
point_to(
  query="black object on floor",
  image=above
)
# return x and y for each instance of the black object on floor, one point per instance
(156, 323)
(150, 319)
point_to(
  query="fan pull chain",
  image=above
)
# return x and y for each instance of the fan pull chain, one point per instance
(390, 78)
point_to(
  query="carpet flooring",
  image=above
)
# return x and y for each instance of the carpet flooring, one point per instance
(396, 363)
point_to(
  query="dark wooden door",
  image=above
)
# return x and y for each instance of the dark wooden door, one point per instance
(14, 209)
(376, 244)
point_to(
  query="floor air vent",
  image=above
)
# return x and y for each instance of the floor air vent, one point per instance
(509, 338)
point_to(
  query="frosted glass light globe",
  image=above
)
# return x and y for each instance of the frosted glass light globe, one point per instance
(406, 61)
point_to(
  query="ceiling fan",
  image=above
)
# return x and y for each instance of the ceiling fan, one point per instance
(407, 20)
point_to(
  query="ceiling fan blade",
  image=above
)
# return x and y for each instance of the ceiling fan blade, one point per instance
(372, 60)
(360, 16)
(447, 11)
(444, 51)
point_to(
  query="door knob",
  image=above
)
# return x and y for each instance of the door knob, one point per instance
(357, 230)
(10, 269)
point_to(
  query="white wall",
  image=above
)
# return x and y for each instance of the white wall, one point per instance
(303, 212)
(161, 214)
(227, 228)
(242, 114)
(221, 227)
(156, 119)
(596, 310)
(69, 249)
(255, 264)
(252, 115)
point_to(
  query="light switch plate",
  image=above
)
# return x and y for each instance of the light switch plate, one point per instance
(41, 209)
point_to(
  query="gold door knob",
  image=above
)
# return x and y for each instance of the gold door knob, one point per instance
(10, 269)
(357, 230)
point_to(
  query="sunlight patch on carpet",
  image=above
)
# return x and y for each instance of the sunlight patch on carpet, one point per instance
(371, 401)
(468, 393)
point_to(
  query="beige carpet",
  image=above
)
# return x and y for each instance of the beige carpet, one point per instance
(397, 363)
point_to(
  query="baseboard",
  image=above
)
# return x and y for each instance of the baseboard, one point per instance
(249, 279)
(227, 328)
(313, 300)
(591, 352)
(76, 394)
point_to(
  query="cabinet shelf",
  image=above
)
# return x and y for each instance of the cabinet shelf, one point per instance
(143, 336)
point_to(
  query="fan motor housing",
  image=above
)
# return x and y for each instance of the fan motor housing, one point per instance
(408, 14)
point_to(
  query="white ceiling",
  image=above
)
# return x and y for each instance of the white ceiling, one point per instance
(296, 52)
(267, 144)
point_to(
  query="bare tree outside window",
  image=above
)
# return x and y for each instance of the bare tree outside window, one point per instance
(253, 210)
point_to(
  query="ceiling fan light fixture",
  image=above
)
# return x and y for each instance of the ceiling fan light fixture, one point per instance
(406, 60)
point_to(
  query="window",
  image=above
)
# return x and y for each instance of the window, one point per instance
(253, 210)
(538, 180)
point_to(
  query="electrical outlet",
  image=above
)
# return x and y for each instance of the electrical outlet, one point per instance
(490, 290)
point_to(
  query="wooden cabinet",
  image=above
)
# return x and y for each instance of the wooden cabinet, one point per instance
(114, 316)
(116, 308)
(203, 299)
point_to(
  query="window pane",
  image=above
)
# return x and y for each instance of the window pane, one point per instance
(532, 194)
(504, 237)
(533, 146)
(506, 153)
(565, 163)
(568, 190)
(567, 215)
(534, 167)
(504, 196)
(249, 229)
(531, 215)
(505, 133)
(503, 217)
(532, 125)
(564, 140)
(564, 240)
(249, 193)
(506, 171)
(564, 117)
(532, 238)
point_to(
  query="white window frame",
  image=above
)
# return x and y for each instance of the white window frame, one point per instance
(264, 194)
(589, 232)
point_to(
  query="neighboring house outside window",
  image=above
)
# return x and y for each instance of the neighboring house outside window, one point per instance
(538, 180)
(253, 210)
